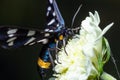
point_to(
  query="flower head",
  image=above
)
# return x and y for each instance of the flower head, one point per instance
(87, 52)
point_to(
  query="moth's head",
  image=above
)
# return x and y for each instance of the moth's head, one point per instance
(70, 32)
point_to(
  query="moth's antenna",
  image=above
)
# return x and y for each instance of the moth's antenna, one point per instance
(73, 19)
(115, 65)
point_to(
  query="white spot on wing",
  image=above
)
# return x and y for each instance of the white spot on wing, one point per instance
(44, 41)
(10, 44)
(47, 34)
(53, 14)
(52, 21)
(32, 43)
(11, 31)
(50, 30)
(47, 13)
(58, 25)
(51, 1)
(46, 30)
(10, 35)
(49, 8)
(31, 33)
(11, 39)
(30, 40)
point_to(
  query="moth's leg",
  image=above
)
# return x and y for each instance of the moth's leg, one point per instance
(50, 56)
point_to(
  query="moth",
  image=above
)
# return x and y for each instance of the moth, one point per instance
(51, 37)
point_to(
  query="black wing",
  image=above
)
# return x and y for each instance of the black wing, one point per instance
(54, 21)
(15, 37)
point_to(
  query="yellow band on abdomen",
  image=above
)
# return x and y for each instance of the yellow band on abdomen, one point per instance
(43, 64)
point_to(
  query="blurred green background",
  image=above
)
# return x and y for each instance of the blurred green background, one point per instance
(20, 63)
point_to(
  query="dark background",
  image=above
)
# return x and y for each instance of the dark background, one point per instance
(20, 63)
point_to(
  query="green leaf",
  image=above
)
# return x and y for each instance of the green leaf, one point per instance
(106, 76)
(105, 50)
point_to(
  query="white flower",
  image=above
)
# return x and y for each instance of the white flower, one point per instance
(87, 52)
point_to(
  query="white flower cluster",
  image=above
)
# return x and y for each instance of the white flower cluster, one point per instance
(87, 52)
